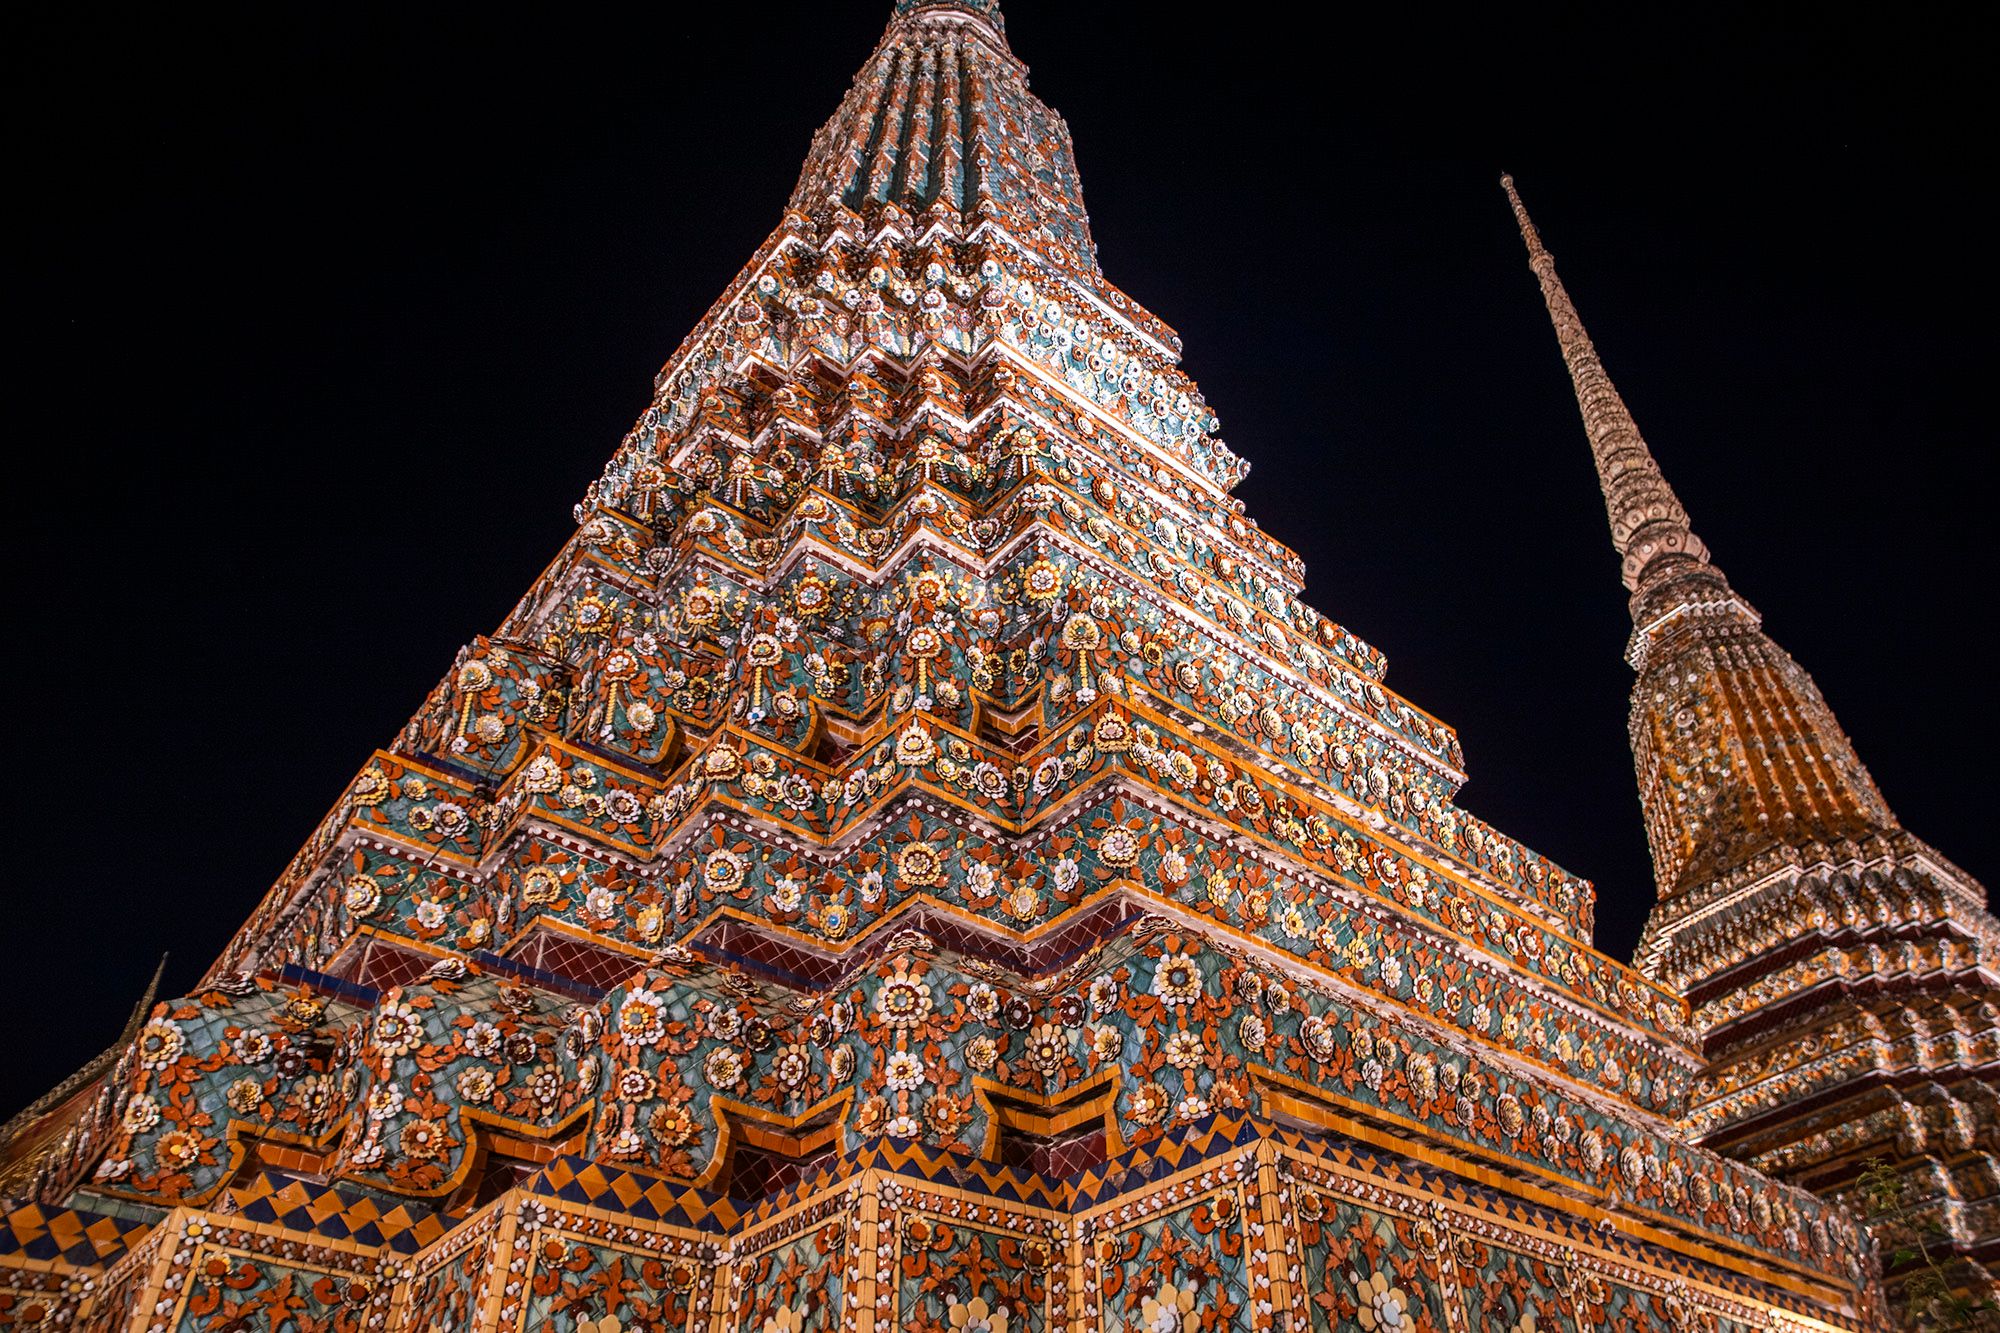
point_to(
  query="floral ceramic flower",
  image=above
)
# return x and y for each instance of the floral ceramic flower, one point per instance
(642, 1017)
(1149, 1104)
(788, 893)
(160, 1043)
(920, 865)
(1253, 1032)
(673, 1126)
(914, 746)
(945, 1116)
(252, 1047)
(177, 1150)
(785, 1320)
(363, 895)
(483, 1040)
(245, 1095)
(791, 1066)
(981, 1054)
(723, 1068)
(903, 1071)
(1106, 1042)
(398, 1029)
(1383, 1305)
(1048, 1048)
(904, 1001)
(1422, 1072)
(141, 1114)
(1169, 1310)
(1119, 847)
(1184, 1050)
(724, 1022)
(1023, 903)
(475, 1084)
(425, 1139)
(1293, 922)
(983, 1002)
(976, 1316)
(312, 1099)
(1177, 980)
(723, 870)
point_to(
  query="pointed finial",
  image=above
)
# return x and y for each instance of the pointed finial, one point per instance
(1528, 233)
(145, 1005)
(1648, 526)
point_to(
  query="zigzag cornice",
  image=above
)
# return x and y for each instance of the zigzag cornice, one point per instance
(859, 950)
(512, 806)
(712, 339)
(1784, 874)
(713, 1228)
(1925, 1009)
(1165, 345)
(891, 932)
(1002, 344)
(1381, 913)
(1822, 1132)
(1569, 1178)
(915, 943)
(501, 821)
(1851, 977)
(1277, 562)
(925, 538)
(754, 823)
(922, 537)
(795, 526)
(1023, 822)
(1781, 1090)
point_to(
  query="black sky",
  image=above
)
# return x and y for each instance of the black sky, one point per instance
(331, 313)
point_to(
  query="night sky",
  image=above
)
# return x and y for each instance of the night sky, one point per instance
(331, 313)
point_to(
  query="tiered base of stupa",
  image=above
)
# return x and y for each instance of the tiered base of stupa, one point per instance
(1228, 1223)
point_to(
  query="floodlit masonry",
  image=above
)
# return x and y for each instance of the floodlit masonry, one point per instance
(913, 862)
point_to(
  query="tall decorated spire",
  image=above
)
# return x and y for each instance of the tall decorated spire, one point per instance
(1648, 525)
(1740, 755)
(1840, 970)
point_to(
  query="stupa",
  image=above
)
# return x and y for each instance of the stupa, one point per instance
(913, 861)
(1840, 970)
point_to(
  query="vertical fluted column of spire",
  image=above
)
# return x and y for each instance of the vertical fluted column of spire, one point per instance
(1647, 521)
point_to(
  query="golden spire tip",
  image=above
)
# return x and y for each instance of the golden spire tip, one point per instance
(1528, 233)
